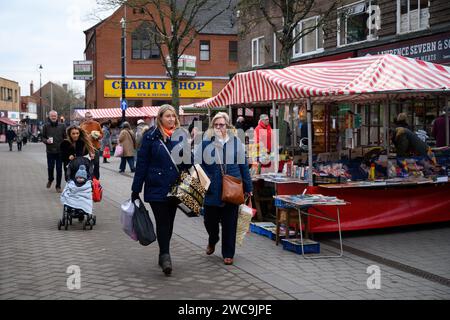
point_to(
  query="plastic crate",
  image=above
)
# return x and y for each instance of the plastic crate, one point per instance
(259, 227)
(294, 245)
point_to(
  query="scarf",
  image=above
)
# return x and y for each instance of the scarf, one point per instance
(168, 132)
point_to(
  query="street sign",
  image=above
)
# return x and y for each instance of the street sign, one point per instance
(124, 105)
(83, 70)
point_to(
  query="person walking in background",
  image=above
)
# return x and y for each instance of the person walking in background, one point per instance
(94, 131)
(128, 142)
(141, 128)
(157, 173)
(77, 144)
(19, 138)
(438, 130)
(53, 134)
(240, 123)
(10, 136)
(106, 140)
(223, 139)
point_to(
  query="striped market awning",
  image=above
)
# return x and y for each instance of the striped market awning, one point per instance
(113, 113)
(363, 78)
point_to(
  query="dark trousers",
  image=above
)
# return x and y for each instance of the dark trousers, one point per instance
(10, 142)
(164, 213)
(123, 163)
(19, 145)
(96, 172)
(227, 216)
(54, 159)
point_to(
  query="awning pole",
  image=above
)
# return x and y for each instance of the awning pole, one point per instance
(275, 138)
(310, 155)
(447, 129)
(230, 114)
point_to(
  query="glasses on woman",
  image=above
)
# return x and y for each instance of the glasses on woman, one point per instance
(219, 125)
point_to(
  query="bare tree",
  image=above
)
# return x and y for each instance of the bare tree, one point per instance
(283, 17)
(174, 27)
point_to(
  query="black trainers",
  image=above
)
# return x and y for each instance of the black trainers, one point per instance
(165, 263)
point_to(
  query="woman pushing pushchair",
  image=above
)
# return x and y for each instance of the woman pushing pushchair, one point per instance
(77, 194)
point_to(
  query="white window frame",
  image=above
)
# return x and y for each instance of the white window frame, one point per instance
(316, 31)
(369, 38)
(399, 17)
(255, 60)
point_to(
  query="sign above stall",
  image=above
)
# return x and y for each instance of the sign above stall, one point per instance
(434, 49)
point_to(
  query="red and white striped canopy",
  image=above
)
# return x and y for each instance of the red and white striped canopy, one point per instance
(112, 113)
(348, 79)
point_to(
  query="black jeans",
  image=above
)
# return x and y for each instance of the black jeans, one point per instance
(123, 163)
(227, 216)
(19, 145)
(10, 142)
(164, 213)
(52, 160)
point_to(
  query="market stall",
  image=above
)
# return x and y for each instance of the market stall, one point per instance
(372, 78)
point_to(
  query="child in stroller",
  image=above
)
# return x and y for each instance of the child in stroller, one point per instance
(77, 194)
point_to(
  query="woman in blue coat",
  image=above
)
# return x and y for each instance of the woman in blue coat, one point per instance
(222, 148)
(156, 171)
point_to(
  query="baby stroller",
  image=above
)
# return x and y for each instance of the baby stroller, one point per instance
(77, 194)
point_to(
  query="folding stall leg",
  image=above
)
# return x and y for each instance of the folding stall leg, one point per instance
(340, 237)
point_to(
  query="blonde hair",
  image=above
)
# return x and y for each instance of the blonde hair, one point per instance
(219, 115)
(163, 109)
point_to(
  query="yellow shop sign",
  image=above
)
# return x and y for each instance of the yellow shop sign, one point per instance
(157, 89)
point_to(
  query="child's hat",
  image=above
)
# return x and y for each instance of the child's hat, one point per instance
(81, 172)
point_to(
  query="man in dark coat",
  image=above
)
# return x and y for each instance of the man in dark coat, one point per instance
(53, 134)
(10, 135)
(407, 143)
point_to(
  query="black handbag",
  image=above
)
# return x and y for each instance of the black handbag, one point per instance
(188, 192)
(143, 225)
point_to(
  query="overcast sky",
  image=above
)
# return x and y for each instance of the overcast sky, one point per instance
(47, 32)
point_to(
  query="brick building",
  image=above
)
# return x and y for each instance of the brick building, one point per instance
(412, 28)
(9, 99)
(215, 51)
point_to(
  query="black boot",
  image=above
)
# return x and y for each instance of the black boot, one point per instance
(165, 263)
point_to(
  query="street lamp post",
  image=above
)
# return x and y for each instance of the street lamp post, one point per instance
(40, 93)
(123, 23)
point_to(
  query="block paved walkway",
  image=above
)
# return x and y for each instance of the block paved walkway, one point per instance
(34, 255)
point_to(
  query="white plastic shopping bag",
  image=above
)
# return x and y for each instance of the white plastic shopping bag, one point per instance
(243, 224)
(126, 218)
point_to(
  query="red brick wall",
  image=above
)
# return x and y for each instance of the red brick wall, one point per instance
(107, 61)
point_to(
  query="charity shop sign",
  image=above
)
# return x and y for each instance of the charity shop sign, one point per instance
(157, 88)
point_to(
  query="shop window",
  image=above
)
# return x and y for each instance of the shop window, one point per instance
(412, 15)
(144, 46)
(135, 103)
(258, 52)
(233, 51)
(205, 49)
(311, 42)
(358, 22)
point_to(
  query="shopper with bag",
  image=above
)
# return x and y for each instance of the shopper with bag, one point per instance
(106, 141)
(223, 159)
(128, 143)
(157, 173)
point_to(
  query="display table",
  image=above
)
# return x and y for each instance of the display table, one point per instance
(282, 185)
(381, 205)
(303, 204)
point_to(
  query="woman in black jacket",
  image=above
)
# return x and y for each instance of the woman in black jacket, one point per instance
(157, 173)
(75, 145)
